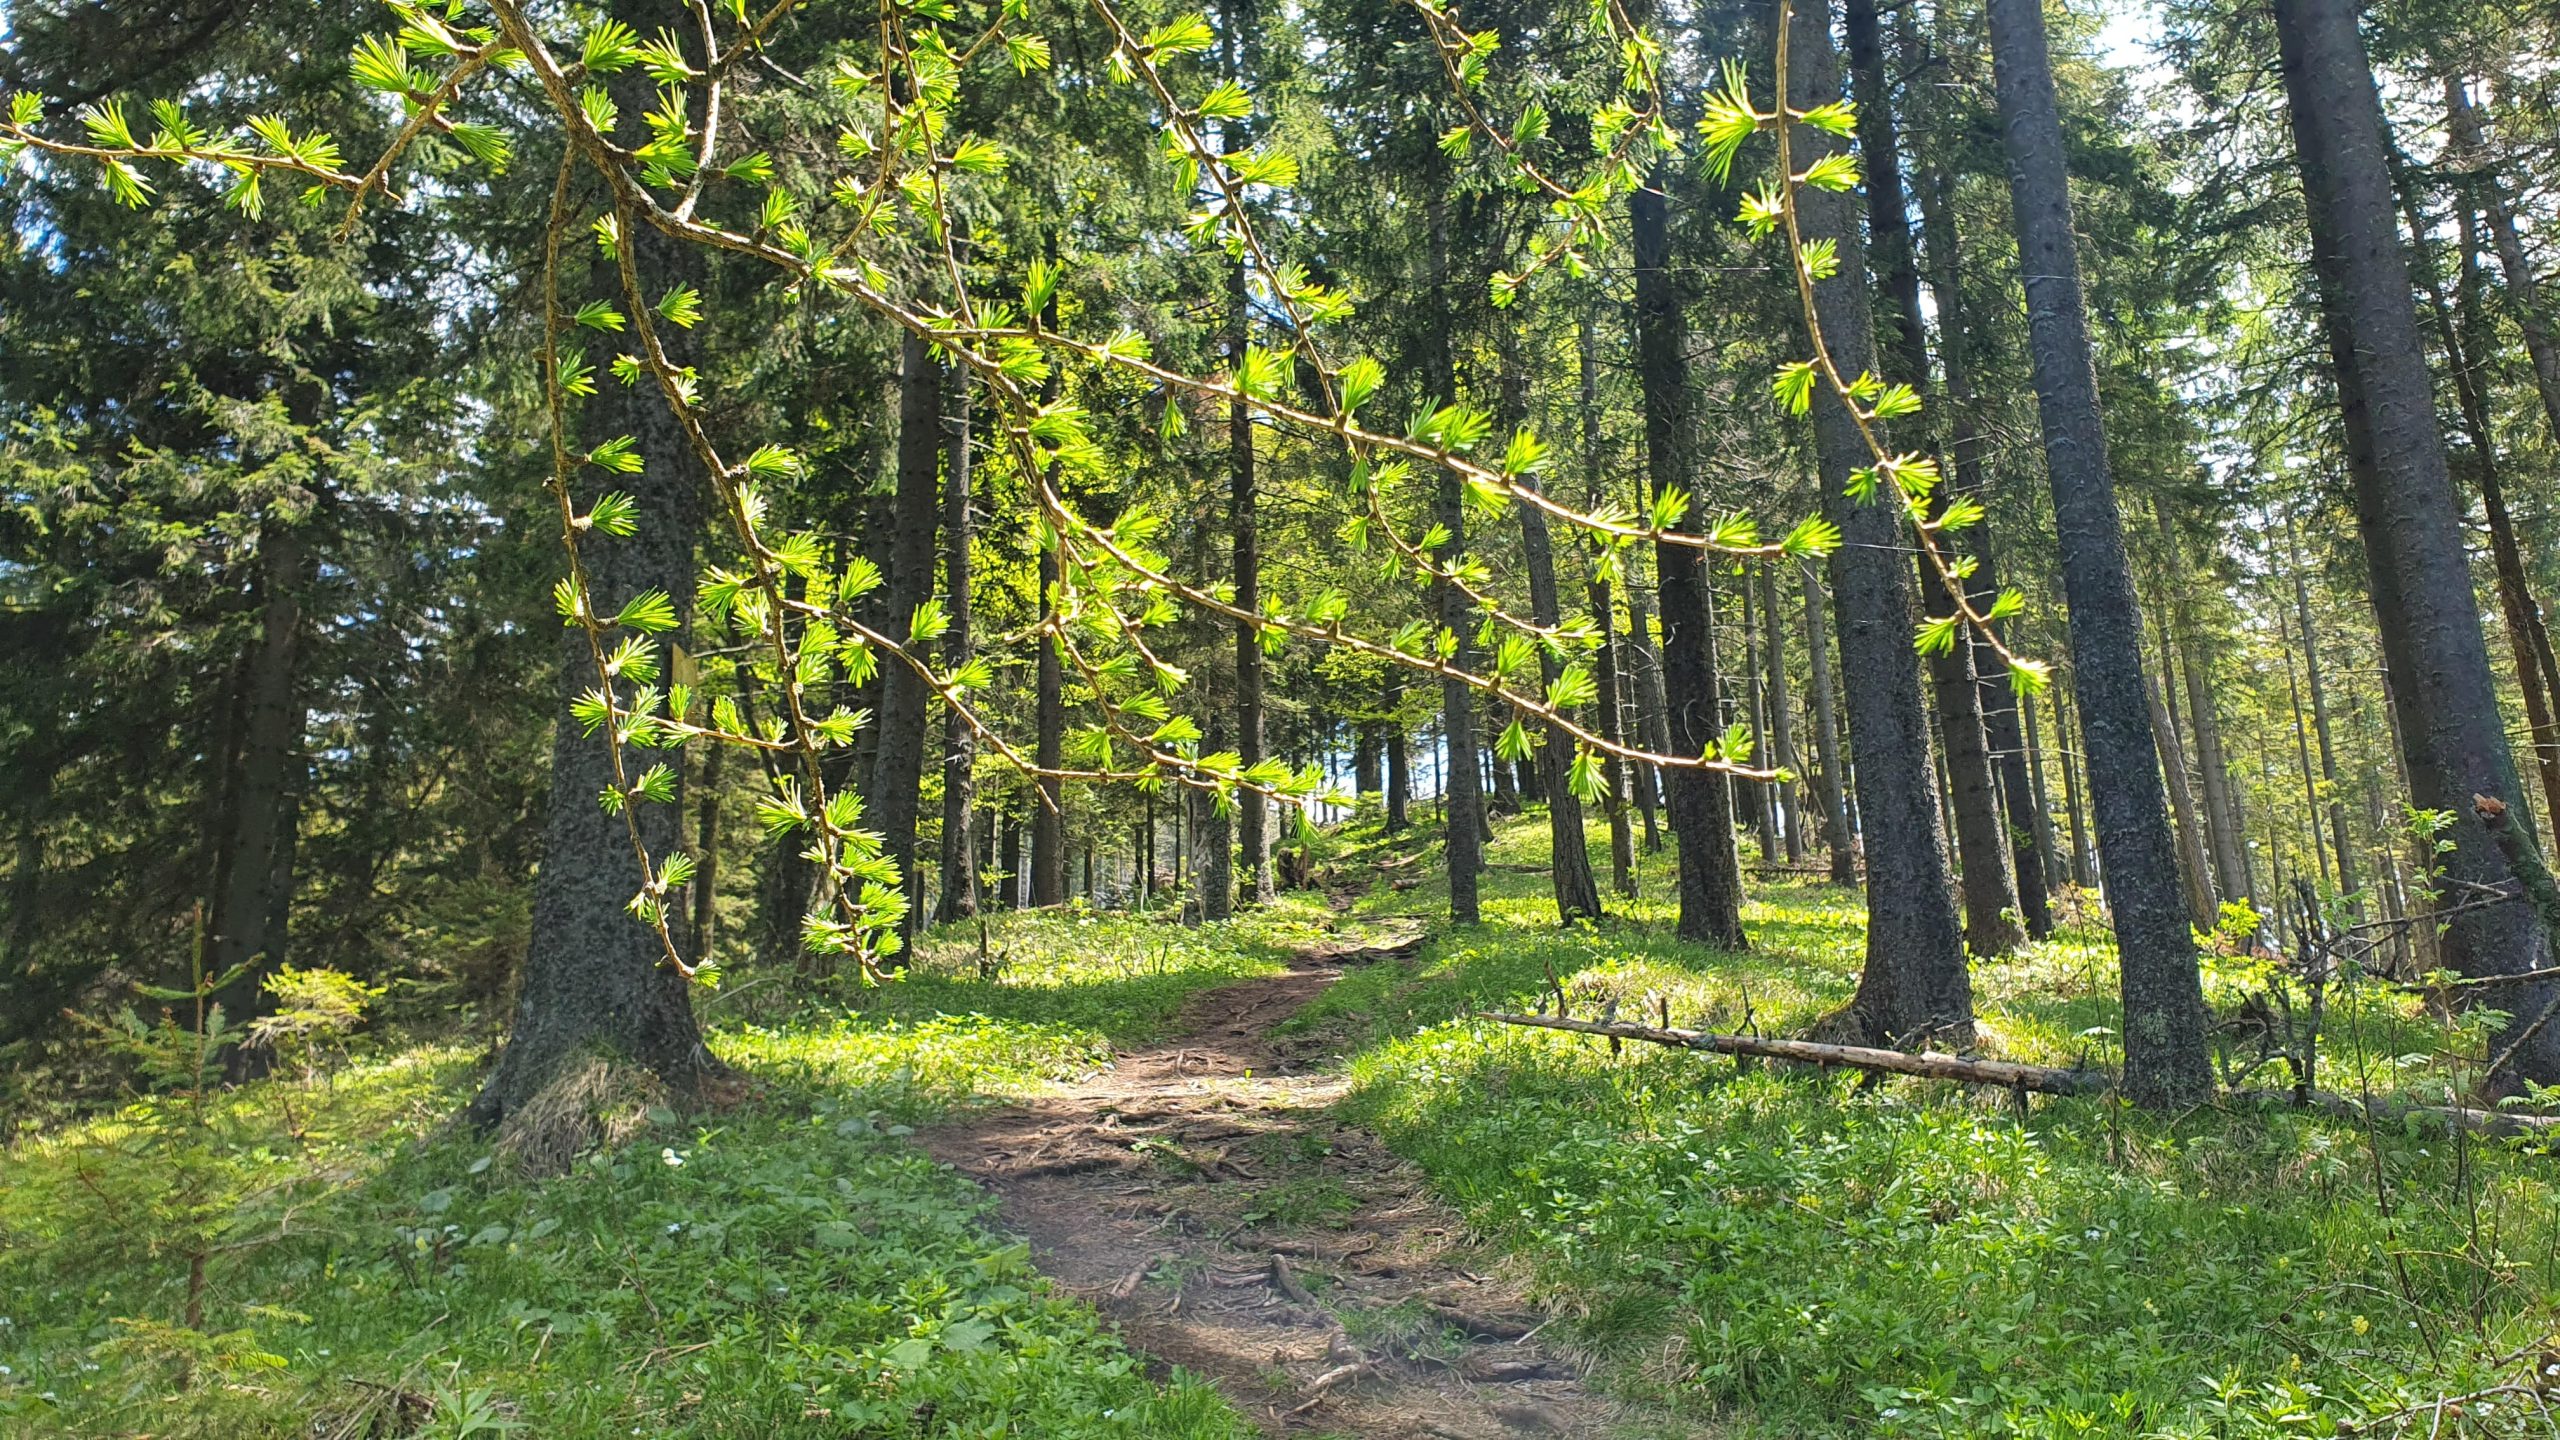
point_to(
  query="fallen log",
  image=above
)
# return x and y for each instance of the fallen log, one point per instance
(1928, 1064)
(2384, 1110)
(2043, 1079)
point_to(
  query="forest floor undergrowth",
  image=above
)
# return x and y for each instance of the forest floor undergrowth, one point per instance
(1212, 1145)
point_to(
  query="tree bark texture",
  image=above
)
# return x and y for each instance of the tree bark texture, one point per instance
(1700, 801)
(2454, 744)
(2164, 1015)
(1915, 979)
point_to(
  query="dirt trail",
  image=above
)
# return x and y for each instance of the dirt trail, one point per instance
(1200, 1195)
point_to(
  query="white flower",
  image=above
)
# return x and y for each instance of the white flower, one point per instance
(672, 1160)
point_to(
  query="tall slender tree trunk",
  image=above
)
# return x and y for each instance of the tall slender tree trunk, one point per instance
(2454, 743)
(2164, 1015)
(1461, 788)
(2310, 782)
(1048, 698)
(2083, 872)
(1244, 525)
(1991, 904)
(593, 981)
(2213, 766)
(2195, 867)
(1782, 730)
(1613, 728)
(897, 767)
(2523, 287)
(2320, 727)
(959, 888)
(1700, 800)
(2528, 640)
(1832, 783)
(1399, 760)
(1764, 798)
(1915, 980)
(1213, 852)
(2012, 751)
(706, 853)
(1569, 858)
(243, 925)
(1644, 667)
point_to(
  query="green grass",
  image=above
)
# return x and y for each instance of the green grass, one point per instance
(1774, 1254)
(1796, 1255)
(791, 1267)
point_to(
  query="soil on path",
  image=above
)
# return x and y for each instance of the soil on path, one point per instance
(1201, 1194)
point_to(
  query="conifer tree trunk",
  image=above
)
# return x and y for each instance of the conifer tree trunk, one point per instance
(2537, 676)
(2320, 727)
(2453, 742)
(2523, 287)
(243, 926)
(1832, 783)
(1577, 892)
(1915, 979)
(2164, 1016)
(1399, 747)
(1981, 835)
(1243, 523)
(1700, 801)
(1764, 807)
(897, 767)
(1048, 698)
(1782, 730)
(1213, 874)
(959, 872)
(2012, 748)
(592, 980)
(1461, 793)
(2083, 872)
(1613, 770)
(1644, 691)
(2195, 866)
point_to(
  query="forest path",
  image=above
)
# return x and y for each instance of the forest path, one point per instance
(1202, 1195)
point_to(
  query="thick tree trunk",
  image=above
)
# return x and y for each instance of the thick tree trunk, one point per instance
(1915, 980)
(897, 766)
(2164, 1015)
(1700, 801)
(593, 981)
(959, 890)
(1832, 783)
(244, 925)
(1365, 752)
(2454, 743)
(1981, 836)
(2528, 640)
